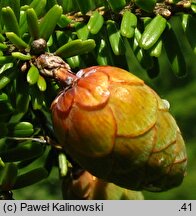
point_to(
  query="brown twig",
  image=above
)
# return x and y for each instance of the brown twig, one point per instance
(165, 8)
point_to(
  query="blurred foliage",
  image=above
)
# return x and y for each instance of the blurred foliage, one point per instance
(25, 99)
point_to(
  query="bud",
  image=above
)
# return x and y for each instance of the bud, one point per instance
(38, 46)
(119, 129)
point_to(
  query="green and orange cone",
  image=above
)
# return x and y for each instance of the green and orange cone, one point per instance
(118, 129)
